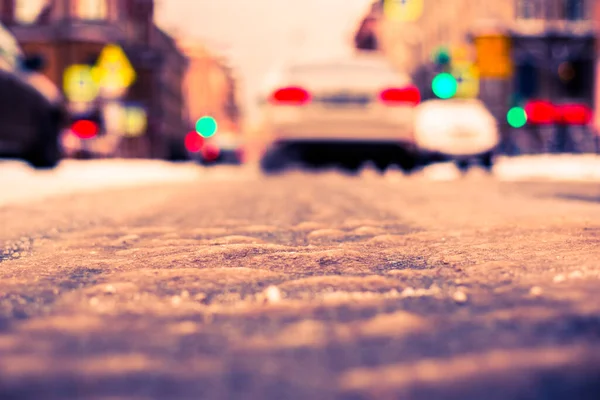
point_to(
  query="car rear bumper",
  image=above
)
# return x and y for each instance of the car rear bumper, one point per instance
(344, 132)
(100, 146)
(470, 136)
(357, 147)
(347, 124)
(233, 157)
(440, 156)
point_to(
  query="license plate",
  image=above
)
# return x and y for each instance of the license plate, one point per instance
(345, 101)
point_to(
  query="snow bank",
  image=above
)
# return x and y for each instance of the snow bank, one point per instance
(21, 183)
(557, 167)
(542, 167)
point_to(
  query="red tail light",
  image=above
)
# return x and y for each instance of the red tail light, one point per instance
(573, 114)
(210, 152)
(540, 112)
(293, 96)
(193, 142)
(400, 96)
(85, 129)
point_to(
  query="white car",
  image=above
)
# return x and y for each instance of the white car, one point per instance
(462, 130)
(342, 111)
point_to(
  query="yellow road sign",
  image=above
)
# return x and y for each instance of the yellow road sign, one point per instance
(135, 121)
(467, 77)
(493, 56)
(403, 10)
(79, 85)
(460, 54)
(113, 72)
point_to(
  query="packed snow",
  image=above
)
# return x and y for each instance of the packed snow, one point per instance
(21, 183)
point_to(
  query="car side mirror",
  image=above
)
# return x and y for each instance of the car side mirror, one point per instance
(34, 63)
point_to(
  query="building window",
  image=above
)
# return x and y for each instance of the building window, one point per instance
(92, 10)
(28, 11)
(530, 9)
(574, 10)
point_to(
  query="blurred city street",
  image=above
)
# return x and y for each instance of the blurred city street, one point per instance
(181, 282)
(266, 199)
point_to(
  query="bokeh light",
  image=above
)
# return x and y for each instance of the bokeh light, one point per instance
(444, 86)
(79, 85)
(85, 129)
(403, 10)
(516, 117)
(113, 72)
(566, 72)
(442, 56)
(206, 126)
(540, 112)
(193, 142)
(467, 80)
(135, 121)
(210, 152)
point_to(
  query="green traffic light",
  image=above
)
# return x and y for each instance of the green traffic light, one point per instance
(442, 56)
(206, 126)
(444, 86)
(516, 117)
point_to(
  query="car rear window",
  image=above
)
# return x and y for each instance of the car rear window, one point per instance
(347, 70)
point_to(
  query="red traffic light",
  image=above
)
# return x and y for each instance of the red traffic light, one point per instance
(540, 112)
(85, 129)
(573, 114)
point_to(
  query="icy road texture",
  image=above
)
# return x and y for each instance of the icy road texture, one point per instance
(302, 287)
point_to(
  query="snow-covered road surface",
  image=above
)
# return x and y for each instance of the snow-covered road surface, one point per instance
(302, 286)
(20, 183)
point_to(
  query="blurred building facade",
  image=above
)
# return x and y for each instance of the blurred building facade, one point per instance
(537, 40)
(596, 16)
(454, 24)
(68, 32)
(211, 87)
(410, 45)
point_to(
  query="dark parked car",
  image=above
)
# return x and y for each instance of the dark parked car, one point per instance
(32, 110)
(223, 148)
